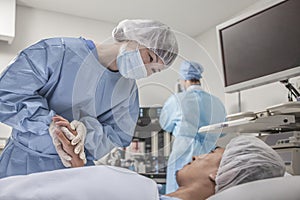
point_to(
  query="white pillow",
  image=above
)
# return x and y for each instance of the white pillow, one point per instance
(280, 188)
(96, 182)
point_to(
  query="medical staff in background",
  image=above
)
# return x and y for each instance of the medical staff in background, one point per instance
(183, 114)
(90, 85)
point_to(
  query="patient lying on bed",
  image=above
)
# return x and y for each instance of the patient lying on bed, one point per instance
(244, 159)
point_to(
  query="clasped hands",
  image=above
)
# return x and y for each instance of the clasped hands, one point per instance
(68, 139)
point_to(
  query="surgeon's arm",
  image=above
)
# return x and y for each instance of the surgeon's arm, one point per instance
(21, 105)
(116, 131)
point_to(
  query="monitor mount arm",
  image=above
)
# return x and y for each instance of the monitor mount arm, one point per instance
(291, 88)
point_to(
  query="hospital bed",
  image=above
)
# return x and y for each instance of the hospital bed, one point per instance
(107, 182)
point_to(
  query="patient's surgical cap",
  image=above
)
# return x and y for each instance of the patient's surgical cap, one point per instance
(190, 70)
(154, 35)
(246, 159)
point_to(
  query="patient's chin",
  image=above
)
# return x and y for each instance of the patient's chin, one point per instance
(178, 177)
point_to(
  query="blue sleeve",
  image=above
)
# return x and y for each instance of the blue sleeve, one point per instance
(116, 131)
(170, 114)
(21, 105)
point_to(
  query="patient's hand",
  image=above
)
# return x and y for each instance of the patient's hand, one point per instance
(63, 123)
(69, 149)
(75, 132)
(66, 141)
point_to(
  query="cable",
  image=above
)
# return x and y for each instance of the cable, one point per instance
(293, 91)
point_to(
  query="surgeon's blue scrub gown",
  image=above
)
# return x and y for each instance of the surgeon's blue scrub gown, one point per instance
(183, 114)
(62, 76)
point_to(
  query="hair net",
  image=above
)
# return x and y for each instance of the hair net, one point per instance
(246, 159)
(190, 70)
(152, 34)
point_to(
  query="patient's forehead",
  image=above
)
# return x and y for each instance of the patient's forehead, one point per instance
(219, 150)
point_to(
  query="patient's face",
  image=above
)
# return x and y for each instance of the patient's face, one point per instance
(201, 169)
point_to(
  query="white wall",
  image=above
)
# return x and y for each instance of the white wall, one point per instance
(33, 25)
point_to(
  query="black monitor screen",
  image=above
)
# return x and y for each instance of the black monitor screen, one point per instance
(262, 44)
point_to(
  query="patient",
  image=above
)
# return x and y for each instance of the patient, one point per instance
(244, 159)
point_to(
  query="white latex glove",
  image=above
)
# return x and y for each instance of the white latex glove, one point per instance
(77, 140)
(65, 158)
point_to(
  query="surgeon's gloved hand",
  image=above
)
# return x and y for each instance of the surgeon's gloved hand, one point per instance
(65, 158)
(77, 140)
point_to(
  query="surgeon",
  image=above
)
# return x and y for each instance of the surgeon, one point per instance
(183, 114)
(91, 85)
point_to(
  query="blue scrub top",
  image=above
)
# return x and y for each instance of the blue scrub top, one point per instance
(182, 115)
(62, 76)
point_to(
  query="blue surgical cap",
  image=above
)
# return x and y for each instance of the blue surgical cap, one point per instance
(190, 70)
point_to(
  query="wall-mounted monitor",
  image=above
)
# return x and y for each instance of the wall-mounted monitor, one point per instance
(261, 46)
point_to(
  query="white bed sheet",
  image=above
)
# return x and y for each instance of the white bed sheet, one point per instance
(96, 182)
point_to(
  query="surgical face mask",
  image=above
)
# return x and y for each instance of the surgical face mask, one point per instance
(130, 64)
